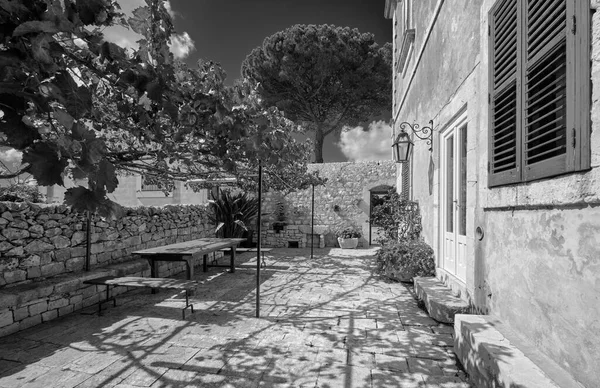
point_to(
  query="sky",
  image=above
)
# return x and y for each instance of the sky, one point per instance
(225, 31)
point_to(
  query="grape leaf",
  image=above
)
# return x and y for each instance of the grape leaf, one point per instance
(64, 119)
(35, 26)
(93, 151)
(81, 199)
(18, 134)
(46, 165)
(140, 22)
(89, 9)
(106, 176)
(79, 98)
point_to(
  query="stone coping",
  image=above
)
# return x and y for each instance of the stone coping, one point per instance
(494, 356)
(441, 304)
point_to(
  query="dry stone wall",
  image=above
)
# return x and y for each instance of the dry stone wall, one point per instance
(38, 242)
(344, 201)
(43, 249)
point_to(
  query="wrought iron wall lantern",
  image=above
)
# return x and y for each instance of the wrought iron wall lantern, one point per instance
(403, 145)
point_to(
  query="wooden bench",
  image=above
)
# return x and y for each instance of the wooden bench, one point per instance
(133, 281)
(241, 250)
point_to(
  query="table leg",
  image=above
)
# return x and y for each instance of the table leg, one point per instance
(152, 267)
(204, 264)
(153, 271)
(189, 268)
(232, 263)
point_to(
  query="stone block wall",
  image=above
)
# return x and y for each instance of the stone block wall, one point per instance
(38, 242)
(42, 256)
(344, 201)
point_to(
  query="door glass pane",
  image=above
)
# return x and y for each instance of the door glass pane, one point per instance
(462, 189)
(450, 184)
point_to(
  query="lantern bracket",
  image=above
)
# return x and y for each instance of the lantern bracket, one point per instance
(423, 133)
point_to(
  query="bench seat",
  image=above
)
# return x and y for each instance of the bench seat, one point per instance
(135, 281)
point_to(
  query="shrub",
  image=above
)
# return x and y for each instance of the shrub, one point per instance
(397, 218)
(402, 261)
(233, 214)
(20, 192)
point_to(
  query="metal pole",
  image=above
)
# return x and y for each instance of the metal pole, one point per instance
(312, 223)
(258, 240)
(88, 242)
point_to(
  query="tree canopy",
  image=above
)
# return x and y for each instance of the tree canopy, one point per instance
(323, 77)
(77, 105)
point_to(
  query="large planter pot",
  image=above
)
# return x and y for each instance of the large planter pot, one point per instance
(348, 243)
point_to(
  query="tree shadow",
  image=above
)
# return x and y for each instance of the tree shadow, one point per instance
(322, 322)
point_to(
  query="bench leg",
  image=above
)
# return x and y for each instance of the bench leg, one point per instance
(108, 299)
(204, 263)
(187, 304)
(232, 263)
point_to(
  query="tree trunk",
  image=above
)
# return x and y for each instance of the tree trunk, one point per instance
(319, 137)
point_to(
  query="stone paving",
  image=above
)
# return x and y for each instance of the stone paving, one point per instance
(329, 322)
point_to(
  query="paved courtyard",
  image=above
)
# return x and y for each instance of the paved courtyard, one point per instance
(329, 322)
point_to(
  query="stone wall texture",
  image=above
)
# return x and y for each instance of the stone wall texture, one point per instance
(38, 242)
(43, 249)
(536, 267)
(344, 201)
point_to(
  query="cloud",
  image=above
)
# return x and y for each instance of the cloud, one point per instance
(11, 158)
(182, 45)
(170, 9)
(373, 144)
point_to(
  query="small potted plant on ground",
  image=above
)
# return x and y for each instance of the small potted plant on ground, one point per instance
(348, 238)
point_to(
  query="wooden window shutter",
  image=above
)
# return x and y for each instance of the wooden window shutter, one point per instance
(548, 89)
(505, 82)
(405, 181)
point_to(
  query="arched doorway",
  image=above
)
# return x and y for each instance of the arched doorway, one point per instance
(377, 195)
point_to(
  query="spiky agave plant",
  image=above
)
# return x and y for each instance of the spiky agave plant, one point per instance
(232, 213)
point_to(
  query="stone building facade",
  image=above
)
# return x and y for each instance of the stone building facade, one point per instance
(344, 201)
(515, 236)
(132, 192)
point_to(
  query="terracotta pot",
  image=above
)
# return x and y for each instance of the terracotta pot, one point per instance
(348, 243)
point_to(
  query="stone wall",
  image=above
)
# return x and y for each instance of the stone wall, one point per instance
(42, 256)
(38, 242)
(344, 201)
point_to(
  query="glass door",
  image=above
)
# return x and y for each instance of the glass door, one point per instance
(454, 201)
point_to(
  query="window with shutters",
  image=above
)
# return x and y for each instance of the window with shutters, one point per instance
(539, 89)
(149, 185)
(405, 34)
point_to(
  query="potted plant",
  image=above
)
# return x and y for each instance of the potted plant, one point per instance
(348, 238)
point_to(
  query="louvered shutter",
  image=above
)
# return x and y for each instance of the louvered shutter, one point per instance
(505, 69)
(548, 89)
(405, 181)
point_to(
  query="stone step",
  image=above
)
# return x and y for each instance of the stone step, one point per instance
(494, 356)
(439, 301)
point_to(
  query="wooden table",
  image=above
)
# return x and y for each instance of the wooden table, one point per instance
(188, 251)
